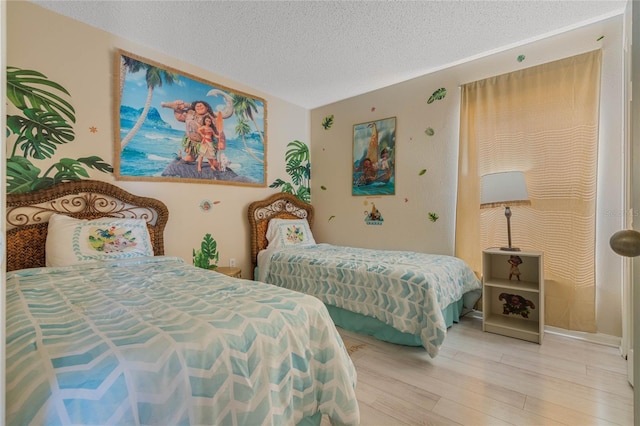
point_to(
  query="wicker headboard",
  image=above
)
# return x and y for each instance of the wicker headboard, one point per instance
(277, 206)
(28, 216)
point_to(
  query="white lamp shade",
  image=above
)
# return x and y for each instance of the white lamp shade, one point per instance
(503, 187)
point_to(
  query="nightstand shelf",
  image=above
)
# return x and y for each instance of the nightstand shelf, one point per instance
(512, 327)
(511, 307)
(512, 285)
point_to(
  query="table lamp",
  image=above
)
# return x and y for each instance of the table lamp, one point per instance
(504, 188)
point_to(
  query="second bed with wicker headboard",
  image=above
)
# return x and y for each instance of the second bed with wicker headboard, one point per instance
(399, 296)
(277, 206)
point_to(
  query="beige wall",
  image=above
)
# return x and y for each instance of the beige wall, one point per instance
(406, 224)
(80, 58)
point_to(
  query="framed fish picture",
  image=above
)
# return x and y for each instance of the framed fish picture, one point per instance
(374, 149)
(173, 126)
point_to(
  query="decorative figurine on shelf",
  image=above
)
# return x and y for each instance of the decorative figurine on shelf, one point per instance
(514, 261)
(516, 304)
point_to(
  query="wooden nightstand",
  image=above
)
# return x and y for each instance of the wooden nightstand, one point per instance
(513, 305)
(230, 271)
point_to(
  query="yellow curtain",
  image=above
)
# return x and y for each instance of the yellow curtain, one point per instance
(542, 121)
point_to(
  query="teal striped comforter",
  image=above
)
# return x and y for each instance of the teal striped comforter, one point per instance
(405, 290)
(157, 341)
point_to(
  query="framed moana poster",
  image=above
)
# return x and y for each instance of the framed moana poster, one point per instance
(172, 126)
(374, 146)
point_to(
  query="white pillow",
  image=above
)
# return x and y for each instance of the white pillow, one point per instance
(289, 232)
(72, 241)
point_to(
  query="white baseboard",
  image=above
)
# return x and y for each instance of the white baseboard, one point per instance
(598, 338)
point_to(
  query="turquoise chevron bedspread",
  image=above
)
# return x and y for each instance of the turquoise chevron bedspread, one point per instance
(405, 290)
(158, 341)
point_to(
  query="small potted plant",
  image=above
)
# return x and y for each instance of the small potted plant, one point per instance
(207, 256)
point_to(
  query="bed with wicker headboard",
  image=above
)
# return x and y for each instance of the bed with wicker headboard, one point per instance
(397, 296)
(28, 216)
(277, 206)
(122, 336)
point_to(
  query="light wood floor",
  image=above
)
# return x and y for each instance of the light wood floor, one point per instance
(486, 379)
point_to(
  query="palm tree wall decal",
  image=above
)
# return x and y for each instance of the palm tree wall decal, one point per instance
(45, 123)
(299, 168)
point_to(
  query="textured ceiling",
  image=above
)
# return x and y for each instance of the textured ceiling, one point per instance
(312, 53)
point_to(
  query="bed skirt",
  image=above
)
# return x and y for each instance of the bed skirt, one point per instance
(363, 324)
